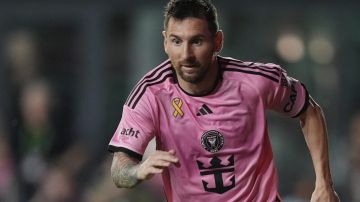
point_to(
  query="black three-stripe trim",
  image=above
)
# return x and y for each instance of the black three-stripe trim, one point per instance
(141, 82)
(145, 81)
(150, 84)
(250, 69)
(251, 72)
(261, 68)
(251, 64)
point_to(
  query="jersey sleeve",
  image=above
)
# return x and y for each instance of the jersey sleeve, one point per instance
(288, 96)
(134, 131)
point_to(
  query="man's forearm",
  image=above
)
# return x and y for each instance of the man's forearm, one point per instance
(123, 171)
(315, 132)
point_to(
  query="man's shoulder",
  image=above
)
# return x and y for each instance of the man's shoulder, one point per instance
(158, 78)
(235, 68)
(159, 71)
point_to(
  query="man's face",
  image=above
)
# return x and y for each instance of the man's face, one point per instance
(190, 47)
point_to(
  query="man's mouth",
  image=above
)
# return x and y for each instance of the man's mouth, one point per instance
(189, 68)
(189, 65)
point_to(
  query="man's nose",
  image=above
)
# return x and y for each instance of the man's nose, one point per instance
(187, 51)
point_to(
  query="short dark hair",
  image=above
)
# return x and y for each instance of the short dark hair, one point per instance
(181, 9)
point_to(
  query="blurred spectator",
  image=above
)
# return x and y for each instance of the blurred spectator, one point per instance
(36, 132)
(29, 103)
(21, 66)
(355, 157)
(35, 135)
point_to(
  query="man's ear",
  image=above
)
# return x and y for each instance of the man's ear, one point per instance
(219, 41)
(165, 41)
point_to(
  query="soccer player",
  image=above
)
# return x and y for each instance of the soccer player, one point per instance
(207, 114)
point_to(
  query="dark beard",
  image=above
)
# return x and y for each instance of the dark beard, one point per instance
(194, 79)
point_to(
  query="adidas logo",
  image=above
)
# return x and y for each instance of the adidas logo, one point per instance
(204, 110)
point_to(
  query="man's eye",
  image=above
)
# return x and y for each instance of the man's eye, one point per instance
(176, 41)
(197, 42)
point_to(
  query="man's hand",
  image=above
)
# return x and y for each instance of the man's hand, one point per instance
(324, 194)
(155, 163)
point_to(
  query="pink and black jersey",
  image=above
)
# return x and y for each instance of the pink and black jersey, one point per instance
(221, 139)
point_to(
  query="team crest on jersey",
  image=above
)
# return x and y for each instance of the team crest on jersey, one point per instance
(212, 141)
(177, 104)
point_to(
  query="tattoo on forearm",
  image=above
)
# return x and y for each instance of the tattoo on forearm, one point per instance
(123, 171)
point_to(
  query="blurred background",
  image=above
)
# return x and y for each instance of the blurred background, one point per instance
(66, 68)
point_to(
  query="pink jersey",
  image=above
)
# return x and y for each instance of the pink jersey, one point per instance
(221, 139)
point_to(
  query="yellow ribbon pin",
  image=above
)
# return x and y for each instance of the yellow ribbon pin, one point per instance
(177, 103)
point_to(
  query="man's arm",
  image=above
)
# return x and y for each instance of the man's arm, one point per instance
(123, 170)
(314, 129)
(127, 172)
